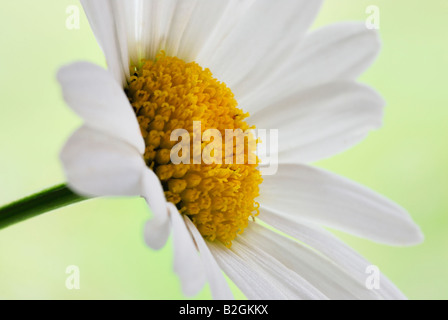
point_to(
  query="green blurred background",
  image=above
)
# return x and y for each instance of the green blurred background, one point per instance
(406, 160)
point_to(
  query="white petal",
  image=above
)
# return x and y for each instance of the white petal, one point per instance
(97, 164)
(218, 285)
(156, 233)
(265, 32)
(172, 18)
(157, 229)
(259, 276)
(96, 97)
(318, 196)
(337, 52)
(187, 263)
(179, 27)
(110, 35)
(148, 24)
(154, 195)
(208, 23)
(320, 272)
(334, 249)
(322, 121)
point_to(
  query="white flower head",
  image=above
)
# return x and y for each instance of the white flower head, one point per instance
(173, 62)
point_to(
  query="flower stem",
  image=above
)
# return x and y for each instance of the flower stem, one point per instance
(36, 204)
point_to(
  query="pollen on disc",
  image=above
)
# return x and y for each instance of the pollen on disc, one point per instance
(168, 94)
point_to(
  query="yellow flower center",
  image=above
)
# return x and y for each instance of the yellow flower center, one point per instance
(169, 94)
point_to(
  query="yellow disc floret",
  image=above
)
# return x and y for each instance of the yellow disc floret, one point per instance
(169, 94)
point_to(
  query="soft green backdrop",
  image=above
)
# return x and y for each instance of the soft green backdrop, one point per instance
(406, 160)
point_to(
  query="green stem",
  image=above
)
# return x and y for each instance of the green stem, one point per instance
(36, 204)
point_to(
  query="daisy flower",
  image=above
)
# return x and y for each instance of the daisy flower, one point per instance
(235, 64)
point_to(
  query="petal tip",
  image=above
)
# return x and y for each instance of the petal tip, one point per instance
(415, 236)
(156, 234)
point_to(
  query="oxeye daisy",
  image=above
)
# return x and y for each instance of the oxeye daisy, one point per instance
(235, 65)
